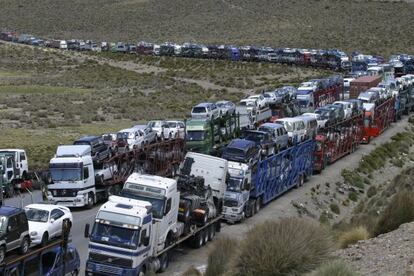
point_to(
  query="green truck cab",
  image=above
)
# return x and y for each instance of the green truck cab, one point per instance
(209, 136)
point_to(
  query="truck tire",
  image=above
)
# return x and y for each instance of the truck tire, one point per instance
(257, 205)
(205, 235)
(299, 181)
(197, 240)
(164, 262)
(90, 201)
(211, 232)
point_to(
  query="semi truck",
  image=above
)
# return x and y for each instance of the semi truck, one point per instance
(249, 187)
(209, 136)
(135, 232)
(316, 93)
(377, 117)
(336, 141)
(79, 182)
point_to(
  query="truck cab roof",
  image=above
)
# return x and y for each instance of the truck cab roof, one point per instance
(151, 180)
(126, 206)
(73, 150)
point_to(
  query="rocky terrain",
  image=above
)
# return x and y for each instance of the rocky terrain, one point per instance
(387, 254)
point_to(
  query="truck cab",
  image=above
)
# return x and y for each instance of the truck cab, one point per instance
(16, 165)
(305, 96)
(237, 194)
(73, 177)
(199, 135)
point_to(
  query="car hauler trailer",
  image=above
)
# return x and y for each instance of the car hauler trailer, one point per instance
(377, 118)
(135, 233)
(249, 187)
(78, 182)
(336, 141)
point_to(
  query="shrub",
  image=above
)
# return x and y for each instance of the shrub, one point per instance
(218, 259)
(400, 210)
(335, 208)
(333, 268)
(352, 236)
(288, 246)
(353, 196)
(371, 191)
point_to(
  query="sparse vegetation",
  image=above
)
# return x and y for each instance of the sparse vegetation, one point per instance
(191, 271)
(218, 260)
(335, 208)
(352, 236)
(333, 268)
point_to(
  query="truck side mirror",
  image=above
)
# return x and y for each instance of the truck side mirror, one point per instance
(144, 238)
(86, 233)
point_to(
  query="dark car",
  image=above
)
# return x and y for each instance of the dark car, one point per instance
(339, 112)
(240, 150)
(327, 115)
(14, 231)
(99, 150)
(263, 139)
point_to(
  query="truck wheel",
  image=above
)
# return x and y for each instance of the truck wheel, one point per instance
(2, 253)
(299, 181)
(164, 262)
(24, 246)
(91, 201)
(205, 235)
(257, 206)
(211, 232)
(197, 240)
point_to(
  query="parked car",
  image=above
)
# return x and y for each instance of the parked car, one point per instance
(346, 106)
(177, 128)
(14, 231)
(205, 110)
(249, 103)
(320, 122)
(357, 107)
(369, 96)
(52, 264)
(327, 116)
(146, 134)
(99, 150)
(243, 151)
(263, 139)
(339, 111)
(285, 94)
(106, 172)
(161, 128)
(45, 221)
(270, 97)
(226, 107)
(261, 101)
(278, 134)
(311, 126)
(110, 141)
(295, 128)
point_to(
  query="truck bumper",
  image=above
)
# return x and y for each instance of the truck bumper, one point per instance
(78, 201)
(93, 268)
(233, 217)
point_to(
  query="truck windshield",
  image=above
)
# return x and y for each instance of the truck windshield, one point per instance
(195, 135)
(66, 174)
(115, 235)
(234, 184)
(303, 103)
(157, 203)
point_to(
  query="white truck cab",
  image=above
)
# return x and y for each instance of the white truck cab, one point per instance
(73, 176)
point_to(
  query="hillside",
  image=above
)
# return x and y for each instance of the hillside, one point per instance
(372, 26)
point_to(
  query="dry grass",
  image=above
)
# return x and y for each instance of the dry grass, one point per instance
(333, 268)
(352, 236)
(218, 260)
(289, 246)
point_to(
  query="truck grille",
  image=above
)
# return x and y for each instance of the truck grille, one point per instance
(99, 258)
(64, 192)
(108, 269)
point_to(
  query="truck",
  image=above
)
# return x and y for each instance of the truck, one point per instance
(249, 187)
(336, 141)
(362, 84)
(209, 136)
(15, 170)
(79, 182)
(317, 93)
(135, 232)
(377, 117)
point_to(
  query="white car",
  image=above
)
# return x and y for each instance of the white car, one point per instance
(161, 128)
(261, 101)
(205, 110)
(45, 221)
(226, 107)
(177, 128)
(346, 106)
(270, 97)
